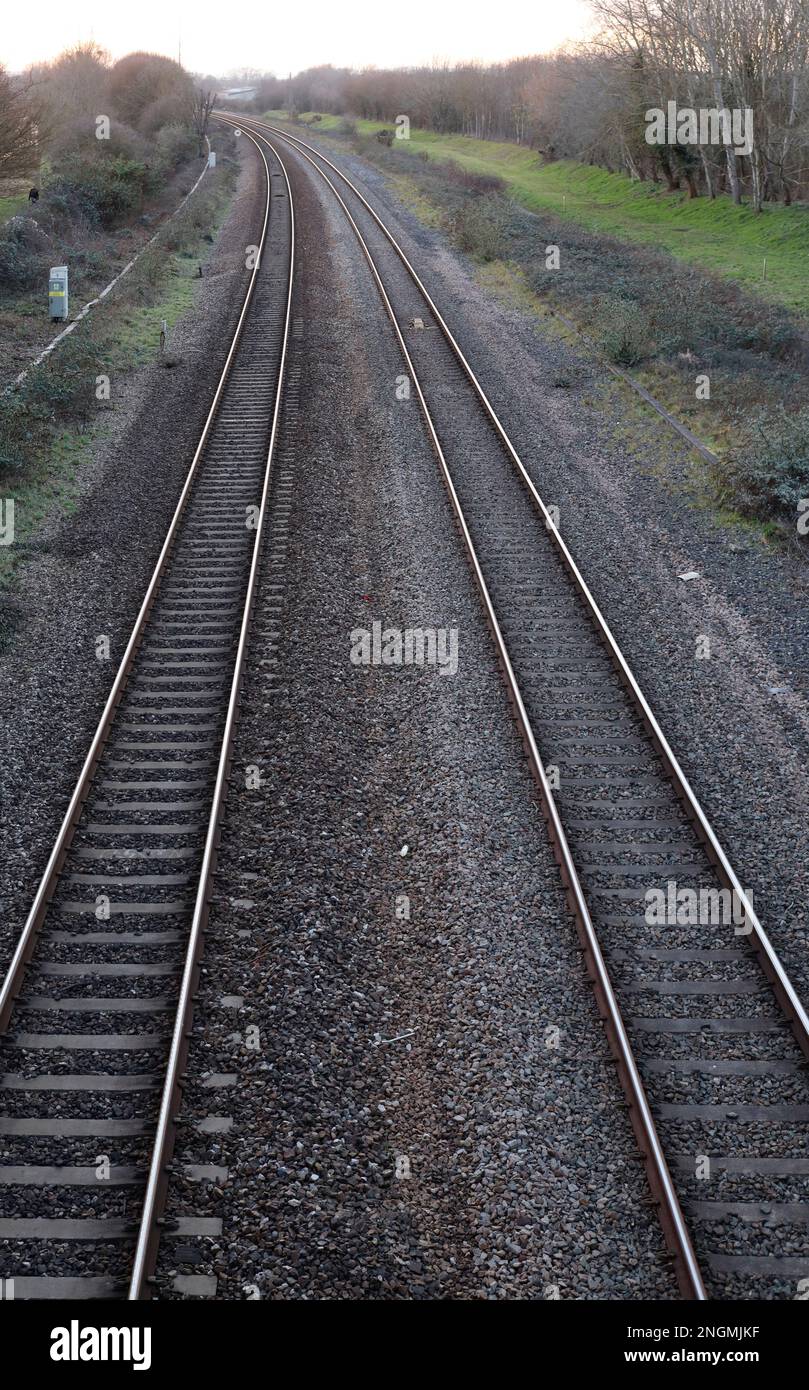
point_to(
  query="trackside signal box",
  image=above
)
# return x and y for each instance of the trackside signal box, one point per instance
(57, 291)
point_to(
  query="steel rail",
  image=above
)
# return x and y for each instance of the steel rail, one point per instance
(768, 957)
(659, 1176)
(148, 1234)
(25, 945)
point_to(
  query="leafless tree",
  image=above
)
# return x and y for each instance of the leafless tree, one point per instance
(202, 104)
(592, 102)
(20, 127)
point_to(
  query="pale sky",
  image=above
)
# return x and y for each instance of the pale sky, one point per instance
(282, 38)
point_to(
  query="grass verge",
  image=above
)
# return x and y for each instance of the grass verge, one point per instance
(52, 425)
(728, 241)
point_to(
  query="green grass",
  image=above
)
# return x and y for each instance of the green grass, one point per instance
(44, 490)
(13, 197)
(137, 335)
(11, 205)
(717, 236)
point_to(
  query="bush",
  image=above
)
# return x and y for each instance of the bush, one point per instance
(169, 110)
(147, 276)
(103, 189)
(467, 178)
(477, 228)
(77, 138)
(623, 331)
(140, 81)
(195, 219)
(24, 254)
(174, 145)
(768, 469)
(60, 390)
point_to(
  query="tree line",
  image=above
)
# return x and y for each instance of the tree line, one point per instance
(591, 102)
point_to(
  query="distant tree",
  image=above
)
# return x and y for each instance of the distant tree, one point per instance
(75, 84)
(141, 80)
(271, 93)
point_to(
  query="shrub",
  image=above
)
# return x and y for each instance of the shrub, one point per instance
(78, 138)
(174, 145)
(166, 110)
(58, 391)
(768, 469)
(24, 253)
(623, 330)
(104, 189)
(141, 80)
(147, 275)
(194, 220)
(467, 178)
(477, 228)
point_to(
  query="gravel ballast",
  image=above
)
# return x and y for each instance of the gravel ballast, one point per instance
(739, 720)
(421, 1107)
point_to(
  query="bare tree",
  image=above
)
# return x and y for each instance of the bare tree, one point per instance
(20, 132)
(593, 102)
(203, 103)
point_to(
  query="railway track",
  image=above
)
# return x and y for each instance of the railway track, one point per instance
(95, 1009)
(709, 1035)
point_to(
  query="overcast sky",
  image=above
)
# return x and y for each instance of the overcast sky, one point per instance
(285, 38)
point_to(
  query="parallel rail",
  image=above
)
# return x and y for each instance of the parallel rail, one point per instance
(591, 687)
(149, 797)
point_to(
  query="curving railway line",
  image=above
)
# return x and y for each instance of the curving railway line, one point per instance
(708, 1034)
(93, 1072)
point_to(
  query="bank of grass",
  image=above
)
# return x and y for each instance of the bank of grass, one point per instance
(729, 241)
(52, 425)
